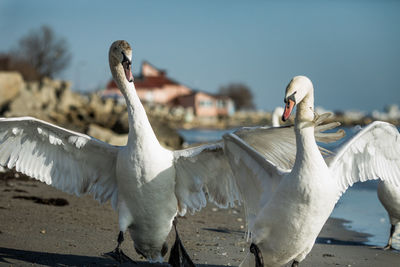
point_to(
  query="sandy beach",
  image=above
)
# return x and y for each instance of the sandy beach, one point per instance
(42, 226)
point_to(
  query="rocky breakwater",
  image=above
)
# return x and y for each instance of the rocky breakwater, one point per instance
(53, 101)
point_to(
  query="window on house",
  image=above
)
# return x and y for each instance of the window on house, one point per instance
(205, 103)
(221, 104)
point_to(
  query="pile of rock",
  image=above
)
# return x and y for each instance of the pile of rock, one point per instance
(53, 101)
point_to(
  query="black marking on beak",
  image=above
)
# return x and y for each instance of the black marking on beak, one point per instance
(125, 58)
(291, 97)
(126, 63)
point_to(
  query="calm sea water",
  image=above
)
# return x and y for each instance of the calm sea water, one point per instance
(359, 205)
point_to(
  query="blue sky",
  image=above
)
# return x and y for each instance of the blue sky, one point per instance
(349, 49)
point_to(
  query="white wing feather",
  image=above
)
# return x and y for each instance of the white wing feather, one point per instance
(372, 153)
(277, 144)
(69, 161)
(256, 176)
(202, 171)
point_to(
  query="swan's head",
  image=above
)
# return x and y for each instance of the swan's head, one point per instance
(120, 56)
(298, 88)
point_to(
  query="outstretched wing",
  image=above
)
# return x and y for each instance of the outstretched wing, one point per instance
(256, 176)
(374, 152)
(201, 171)
(278, 144)
(69, 161)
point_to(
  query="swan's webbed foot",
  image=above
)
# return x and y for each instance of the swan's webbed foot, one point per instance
(117, 254)
(387, 247)
(257, 254)
(389, 244)
(178, 256)
(295, 264)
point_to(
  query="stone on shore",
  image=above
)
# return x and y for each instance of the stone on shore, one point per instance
(10, 85)
(54, 102)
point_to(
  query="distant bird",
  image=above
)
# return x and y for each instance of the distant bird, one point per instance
(389, 196)
(276, 116)
(286, 208)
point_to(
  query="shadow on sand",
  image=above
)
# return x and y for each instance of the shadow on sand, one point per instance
(17, 257)
(333, 241)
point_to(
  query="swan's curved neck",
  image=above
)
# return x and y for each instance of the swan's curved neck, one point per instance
(140, 130)
(305, 110)
(307, 149)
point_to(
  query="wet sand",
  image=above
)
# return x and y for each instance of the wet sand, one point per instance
(42, 226)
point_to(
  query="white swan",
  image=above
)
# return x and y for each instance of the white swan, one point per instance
(276, 116)
(146, 183)
(389, 196)
(287, 208)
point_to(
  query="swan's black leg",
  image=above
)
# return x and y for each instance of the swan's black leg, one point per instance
(178, 256)
(257, 254)
(295, 264)
(117, 254)
(389, 244)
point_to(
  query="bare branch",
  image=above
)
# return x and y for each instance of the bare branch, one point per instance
(240, 94)
(44, 51)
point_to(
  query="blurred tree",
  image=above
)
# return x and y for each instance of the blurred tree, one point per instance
(240, 94)
(47, 53)
(9, 63)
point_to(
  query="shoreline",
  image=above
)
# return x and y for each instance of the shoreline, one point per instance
(48, 233)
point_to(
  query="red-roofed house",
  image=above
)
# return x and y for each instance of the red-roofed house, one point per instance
(207, 105)
(153, 86)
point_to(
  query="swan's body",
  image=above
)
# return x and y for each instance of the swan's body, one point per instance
(389, 196)
(145, 182)
(286, 208)
(306, 199)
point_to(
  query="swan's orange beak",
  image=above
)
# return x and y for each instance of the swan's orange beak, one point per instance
(288, 109)
(128, 71)
(126, 64)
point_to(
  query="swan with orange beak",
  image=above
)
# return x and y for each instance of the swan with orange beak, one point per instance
(286, 208)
